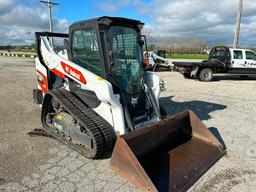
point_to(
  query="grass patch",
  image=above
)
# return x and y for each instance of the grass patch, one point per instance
(187, 56)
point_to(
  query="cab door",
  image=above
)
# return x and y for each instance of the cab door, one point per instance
(85, 50)
(250, 59)
(238, 59)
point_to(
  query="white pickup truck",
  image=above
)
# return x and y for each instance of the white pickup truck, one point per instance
(221, 60)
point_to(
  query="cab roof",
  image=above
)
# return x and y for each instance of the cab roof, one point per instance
(106, 20)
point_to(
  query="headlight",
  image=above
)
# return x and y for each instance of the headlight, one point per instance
(162, 85)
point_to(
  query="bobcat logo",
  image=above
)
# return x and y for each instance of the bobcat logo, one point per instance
(134, 101)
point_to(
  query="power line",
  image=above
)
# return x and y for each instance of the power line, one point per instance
(238, 21)
(50, 4)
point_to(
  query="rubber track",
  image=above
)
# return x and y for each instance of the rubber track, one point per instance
(99, 130)
(106, 129)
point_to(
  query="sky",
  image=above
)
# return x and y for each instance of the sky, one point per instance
(212, 21)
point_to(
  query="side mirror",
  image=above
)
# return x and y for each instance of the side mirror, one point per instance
(140, 42)
(143, 41)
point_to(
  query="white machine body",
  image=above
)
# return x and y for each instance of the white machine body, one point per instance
(110, 108)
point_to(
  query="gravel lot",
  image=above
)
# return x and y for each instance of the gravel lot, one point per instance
(227, 106)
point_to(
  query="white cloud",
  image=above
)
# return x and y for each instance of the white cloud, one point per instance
(6, 5)
(212, 20)
(19, 21)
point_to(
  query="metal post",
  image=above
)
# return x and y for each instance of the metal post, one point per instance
(50, 4)
(238, 21)
(50, 14)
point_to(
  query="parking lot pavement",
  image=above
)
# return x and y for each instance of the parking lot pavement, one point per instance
(227, 106)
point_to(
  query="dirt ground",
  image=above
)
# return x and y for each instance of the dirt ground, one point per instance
(227, 107)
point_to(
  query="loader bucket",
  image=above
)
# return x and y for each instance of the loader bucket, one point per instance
(170, 155)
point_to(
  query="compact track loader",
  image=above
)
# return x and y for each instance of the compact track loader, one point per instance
(95, 96)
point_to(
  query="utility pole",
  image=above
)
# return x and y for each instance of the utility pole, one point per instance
(50, 4)
(238, 21)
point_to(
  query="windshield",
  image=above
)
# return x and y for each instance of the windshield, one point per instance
(220, 53)
(250, 55)
(125, 58)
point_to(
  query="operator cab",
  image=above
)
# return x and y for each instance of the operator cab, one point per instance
(107, 45)
(111, 47)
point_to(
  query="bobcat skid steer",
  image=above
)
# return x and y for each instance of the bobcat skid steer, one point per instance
(95, 96)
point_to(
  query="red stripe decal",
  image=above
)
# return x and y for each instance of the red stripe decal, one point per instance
(44, 86)
(73, 72)
(55, 71)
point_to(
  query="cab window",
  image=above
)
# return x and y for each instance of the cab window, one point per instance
(238, 55)
(85, 51)
(250, 55)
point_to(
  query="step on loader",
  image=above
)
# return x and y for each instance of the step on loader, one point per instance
(96, 95)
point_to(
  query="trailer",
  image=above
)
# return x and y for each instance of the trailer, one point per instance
(223, 60)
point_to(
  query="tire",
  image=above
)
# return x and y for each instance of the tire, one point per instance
(206, 75)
